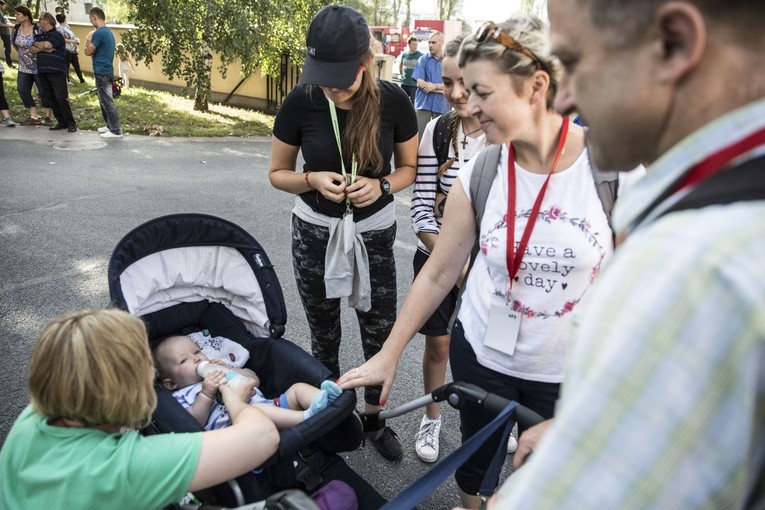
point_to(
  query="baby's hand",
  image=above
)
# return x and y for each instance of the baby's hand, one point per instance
(212, 382)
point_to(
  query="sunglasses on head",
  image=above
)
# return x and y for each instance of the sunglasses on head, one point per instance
(490, 30)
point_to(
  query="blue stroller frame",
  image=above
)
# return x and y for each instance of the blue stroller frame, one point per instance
(189, 272)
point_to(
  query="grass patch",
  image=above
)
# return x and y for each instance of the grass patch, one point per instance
(149, 112)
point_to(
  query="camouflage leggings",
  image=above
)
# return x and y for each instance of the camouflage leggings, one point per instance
(309, 245)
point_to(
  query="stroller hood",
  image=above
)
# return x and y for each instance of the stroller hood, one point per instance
(186, 258)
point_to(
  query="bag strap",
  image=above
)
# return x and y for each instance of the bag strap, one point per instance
(607, 187)
(481, 180)
(442, 138)
(419, 490)
(742, 183)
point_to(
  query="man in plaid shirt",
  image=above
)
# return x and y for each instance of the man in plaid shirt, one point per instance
(663, 401)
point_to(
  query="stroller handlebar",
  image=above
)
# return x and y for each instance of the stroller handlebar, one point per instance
(457, 394)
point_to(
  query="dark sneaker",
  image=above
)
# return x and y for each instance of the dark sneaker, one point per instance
(72, 129)
(387, 443)
(47, 121)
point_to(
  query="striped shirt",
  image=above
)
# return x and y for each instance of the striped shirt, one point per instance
(663, 404)
(218, 417)
(423, 215)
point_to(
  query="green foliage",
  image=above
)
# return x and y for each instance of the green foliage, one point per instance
(185, 33)
(117, 11)
(445, 8)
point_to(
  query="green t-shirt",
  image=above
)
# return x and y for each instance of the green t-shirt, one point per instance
(44, 466)
(409, 61)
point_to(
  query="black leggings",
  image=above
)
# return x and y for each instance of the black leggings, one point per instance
(7, 45)
(537, 396)
(74, 60)
(3, 102)
(309, 245)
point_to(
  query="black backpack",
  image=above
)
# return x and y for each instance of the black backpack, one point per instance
(442, 135)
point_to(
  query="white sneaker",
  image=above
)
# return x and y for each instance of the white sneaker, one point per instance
(512, 442)
(109, 134)
(426, 441)
(103, 129)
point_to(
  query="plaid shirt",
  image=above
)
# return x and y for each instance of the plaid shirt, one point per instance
(663, 404)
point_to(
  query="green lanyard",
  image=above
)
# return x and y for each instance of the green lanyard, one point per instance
(354, 163)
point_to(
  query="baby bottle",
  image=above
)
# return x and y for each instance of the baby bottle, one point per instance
(233, 378)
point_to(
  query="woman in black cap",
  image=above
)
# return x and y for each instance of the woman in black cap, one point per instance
(348, 125)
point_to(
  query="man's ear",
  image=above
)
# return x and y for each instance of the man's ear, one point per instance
(683, 37)
(169, 384)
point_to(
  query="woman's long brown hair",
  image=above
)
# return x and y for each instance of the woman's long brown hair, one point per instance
(362, 131)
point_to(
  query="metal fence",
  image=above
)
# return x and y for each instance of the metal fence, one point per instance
(278, 87)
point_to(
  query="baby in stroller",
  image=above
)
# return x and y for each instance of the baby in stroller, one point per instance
(192, 274)
(177, 358)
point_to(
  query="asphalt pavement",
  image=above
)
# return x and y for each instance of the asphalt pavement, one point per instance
(68, 198)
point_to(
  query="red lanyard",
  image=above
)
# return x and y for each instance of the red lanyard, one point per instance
(720, 159)
(514, 258)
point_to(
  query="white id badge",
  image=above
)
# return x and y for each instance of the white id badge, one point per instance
(349, 230)
(503, 327)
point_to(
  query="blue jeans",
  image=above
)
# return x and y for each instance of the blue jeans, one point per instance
(108, 109)
(537, 396)
(24, 82)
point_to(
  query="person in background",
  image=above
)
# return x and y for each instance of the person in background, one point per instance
(125, 65)
(460, 134)
(100, 45)
(22, 38)
(429, 98)
(663, 400)
(5, 34)
(50, 49)
(91, 386)
(6, 121)
(543, 236)
(348, 126)
(72, 42)
(408, 62)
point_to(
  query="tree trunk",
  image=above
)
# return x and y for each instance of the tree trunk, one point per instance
(445, 8)
(203, 81)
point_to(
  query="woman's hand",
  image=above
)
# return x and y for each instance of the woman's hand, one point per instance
(239, 394)
(365, 191)
(330, 184)
(380, 369)
(528, 442)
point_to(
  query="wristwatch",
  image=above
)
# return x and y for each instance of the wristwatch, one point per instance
(384, 187)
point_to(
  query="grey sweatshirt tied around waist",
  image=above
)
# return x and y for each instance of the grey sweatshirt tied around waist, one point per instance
(346, 263)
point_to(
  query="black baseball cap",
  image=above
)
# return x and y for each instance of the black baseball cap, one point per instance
(336, 44)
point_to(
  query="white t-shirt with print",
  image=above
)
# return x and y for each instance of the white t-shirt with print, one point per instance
(568, 246)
